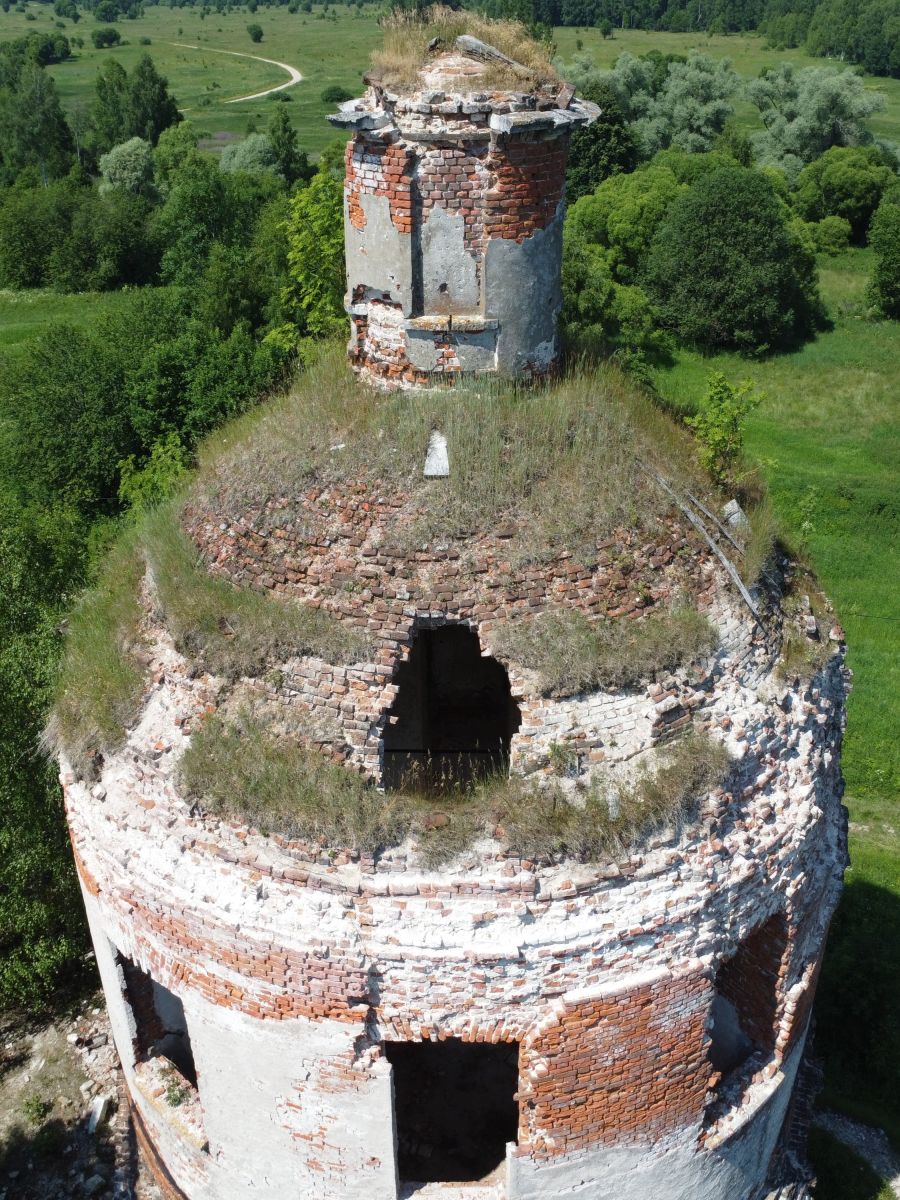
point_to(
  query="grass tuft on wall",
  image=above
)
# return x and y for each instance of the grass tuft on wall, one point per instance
(237, 769)
(572, 653)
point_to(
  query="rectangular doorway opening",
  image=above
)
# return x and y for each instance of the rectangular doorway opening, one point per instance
(160, 1024)
(455, 1108)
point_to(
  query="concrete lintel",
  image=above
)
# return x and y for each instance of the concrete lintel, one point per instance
(452, 323)
(582, 112)
(349, 116)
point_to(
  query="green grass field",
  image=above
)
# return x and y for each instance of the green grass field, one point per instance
(325, 51)
(24, 314)
(334, 51)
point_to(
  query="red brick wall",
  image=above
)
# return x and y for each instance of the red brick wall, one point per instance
(378, 169)
(753, 981)
(456, 180)
(527, 187)
(628, 1068)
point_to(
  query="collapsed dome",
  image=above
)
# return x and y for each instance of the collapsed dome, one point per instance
(459, 828)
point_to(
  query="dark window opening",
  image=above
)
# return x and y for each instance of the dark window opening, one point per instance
(453, 717)
(455, 1108)
(743, 1018)
(159, 1020)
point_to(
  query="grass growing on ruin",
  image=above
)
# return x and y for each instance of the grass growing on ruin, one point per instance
(236, 768)
(228, 630)
(223, 629)
(101, 680)
(558, 466)
(571, 653)
(407, 35)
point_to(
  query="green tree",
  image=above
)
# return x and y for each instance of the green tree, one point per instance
(150, 108)
(601, 317)
(622, 215)
(255, 31)
(292, 163)
(604, 148)
(103, 38)
(254, 154)
(719, 424)
(33, 222)
(109, 118)
(129, 167)
(43, 939)
(884, 286)
(846, 181)
(193, 216)
(176, 145)
(831, 235)
(727, 269)
(671, 100)
(807, 112)
(71, 425)
(733, 141)
(33, 130)
(108, 244)
(314, 297)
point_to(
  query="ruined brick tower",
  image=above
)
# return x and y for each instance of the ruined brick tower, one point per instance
(307, 1010)
(453, 222)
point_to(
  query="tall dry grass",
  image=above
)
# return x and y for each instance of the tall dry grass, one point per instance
(407, 35)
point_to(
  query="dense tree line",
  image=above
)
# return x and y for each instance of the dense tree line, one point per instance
(684, 229)
(101, 418)
(866, 32)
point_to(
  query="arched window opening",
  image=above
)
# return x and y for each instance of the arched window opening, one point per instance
(453, 717)
(744, 1014)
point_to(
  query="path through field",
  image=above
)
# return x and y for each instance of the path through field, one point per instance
(295, 75)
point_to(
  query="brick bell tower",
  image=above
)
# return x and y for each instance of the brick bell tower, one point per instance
(453, 214)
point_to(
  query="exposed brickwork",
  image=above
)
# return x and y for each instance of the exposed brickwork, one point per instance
(526, 187)
(752, 980)
(375, 168)
(456, 180)
(494, 165)
(626, 1069)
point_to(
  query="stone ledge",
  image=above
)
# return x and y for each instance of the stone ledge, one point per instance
(152, 1080)
(451, 323)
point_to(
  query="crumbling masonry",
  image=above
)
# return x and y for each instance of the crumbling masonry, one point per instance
(453, 225)
(297, 1020)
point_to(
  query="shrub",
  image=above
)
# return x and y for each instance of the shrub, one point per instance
(719, 423)
(105, 37)
(845, 182)
(831, 235)
(255, 31)
(335, 94)
(727, 270)
(572, 654)
(128, 166)
(254, 155)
